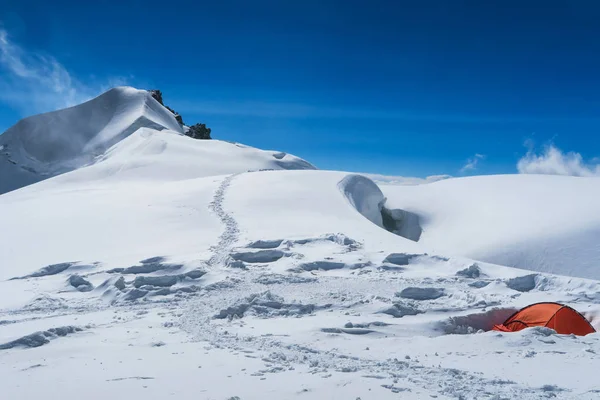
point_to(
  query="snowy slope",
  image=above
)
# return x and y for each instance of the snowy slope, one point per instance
(172, 267)
(131, 135)
(278, 280)
(48, 144)
(537, 222)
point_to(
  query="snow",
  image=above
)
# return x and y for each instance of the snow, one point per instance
(537, 222)
(171, 267)
(126, 131)
(365, 196)
(48, 144)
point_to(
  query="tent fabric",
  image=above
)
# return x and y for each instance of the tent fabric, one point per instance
(563, 319)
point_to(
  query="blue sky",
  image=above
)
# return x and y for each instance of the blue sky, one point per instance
(393, 87)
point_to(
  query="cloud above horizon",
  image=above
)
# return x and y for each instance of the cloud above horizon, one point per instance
(553, 161)
(33, 82)
(472, 163)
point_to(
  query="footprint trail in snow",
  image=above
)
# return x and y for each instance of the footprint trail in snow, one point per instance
(231, 233)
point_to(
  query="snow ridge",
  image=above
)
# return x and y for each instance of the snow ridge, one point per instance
(46, 145)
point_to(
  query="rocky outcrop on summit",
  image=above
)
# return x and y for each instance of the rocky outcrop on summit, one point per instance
(157, 95)
(196, 131)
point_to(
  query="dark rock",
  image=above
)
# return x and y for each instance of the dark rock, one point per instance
(199, 131)
(157, 95)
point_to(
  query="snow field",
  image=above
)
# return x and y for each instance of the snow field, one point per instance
(170, 267)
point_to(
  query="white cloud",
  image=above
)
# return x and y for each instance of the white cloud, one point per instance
(552, 161)
(472, 163)
(33, 82)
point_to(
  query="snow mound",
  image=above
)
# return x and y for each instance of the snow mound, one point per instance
(536, 222)
(149, 154)
(367, 198)
(266, 304)
(260, 256)
(417, 293)
(38, 339)
(49, 144)
(471, 323)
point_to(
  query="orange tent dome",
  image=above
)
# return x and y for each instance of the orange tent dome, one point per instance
(563, 319)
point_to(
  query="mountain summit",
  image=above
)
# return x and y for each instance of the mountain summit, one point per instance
(42, 146)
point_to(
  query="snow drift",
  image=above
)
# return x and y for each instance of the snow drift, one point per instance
(364, 195)
(536, 222)
(152, 156)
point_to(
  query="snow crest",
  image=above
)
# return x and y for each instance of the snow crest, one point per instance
(45, 145)
(365, 196)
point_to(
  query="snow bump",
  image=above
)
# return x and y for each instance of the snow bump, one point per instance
(261, 256)
(398, 310)
(522, 283)
(48, 270)
(473, 271)
(41, 338)
(417, 293)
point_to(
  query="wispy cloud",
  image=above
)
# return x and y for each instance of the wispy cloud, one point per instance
(33, 82)
(472, 163)
(553, 161)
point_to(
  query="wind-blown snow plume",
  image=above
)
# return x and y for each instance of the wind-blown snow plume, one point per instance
(33, 82)
(552, 161)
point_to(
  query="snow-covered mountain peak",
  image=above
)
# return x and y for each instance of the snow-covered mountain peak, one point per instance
(42, 146)
(89, 128)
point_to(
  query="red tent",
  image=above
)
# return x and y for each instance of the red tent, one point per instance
(563, 319)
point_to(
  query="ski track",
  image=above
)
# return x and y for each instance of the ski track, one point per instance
(231, 233)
